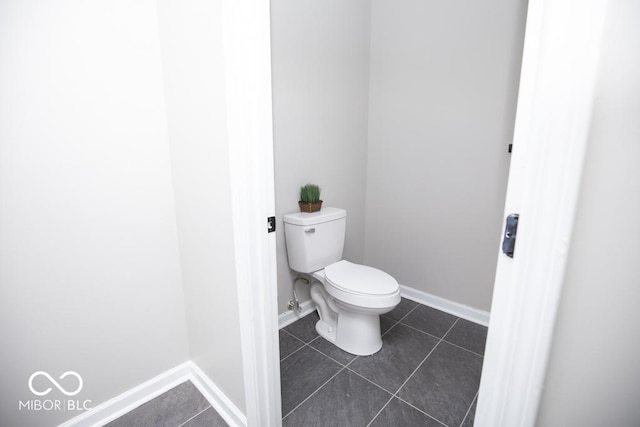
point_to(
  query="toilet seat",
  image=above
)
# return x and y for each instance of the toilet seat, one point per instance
(361, 285)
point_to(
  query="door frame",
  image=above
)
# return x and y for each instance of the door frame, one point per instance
(557, 85)
(247, 62)
(552, 123)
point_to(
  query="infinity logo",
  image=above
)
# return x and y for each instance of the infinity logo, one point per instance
(55, 383)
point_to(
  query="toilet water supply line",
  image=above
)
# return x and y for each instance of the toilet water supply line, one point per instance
(327, 309)
(294, 304)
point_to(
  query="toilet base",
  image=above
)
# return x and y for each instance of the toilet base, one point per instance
(356, 333)
(326, 331)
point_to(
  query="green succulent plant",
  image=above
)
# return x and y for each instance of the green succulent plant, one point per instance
(310, 193)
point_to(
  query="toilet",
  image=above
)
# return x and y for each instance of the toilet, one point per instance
(350, 297)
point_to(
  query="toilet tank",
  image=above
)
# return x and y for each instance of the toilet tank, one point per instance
(314, 240)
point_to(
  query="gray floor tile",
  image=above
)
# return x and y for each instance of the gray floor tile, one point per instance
(399, 414)
(301, 374)
(305, 328)
(288, 344)
(346, 400)
(386, 323)
(430, 320)
(402, 309)
(169, 409)
(446, 383)
(403, 349)
(208, 418)
(471, 416)
(468, 335)
(332, 350)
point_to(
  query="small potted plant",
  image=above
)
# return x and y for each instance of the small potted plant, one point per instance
(310, 198)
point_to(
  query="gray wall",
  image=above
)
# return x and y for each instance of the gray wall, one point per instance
(320, 57)
(443, 87)
(593, 377)
(424, 138)
(194, 83)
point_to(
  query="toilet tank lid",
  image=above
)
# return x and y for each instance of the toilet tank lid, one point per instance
(323, 215)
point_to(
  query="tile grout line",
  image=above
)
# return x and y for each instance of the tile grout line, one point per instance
(205, 409)
(396, 394)
(443, 338)
(377, 385)
(367, 379)
(457, 345)
(294, 352)
(305, 344)
(298, 349)
(427, 333)
(380, 411)
(312, 394)
(397, 391)
(308, 344)
(399, 320)
(294, 335)
(425, 359)
(390, 328)
(421, 411)
(469, 409)
(463, 348)
(403, 317)
(416, 370)
(344, 365)
(290, 334)
(440, 340)
(342, 368)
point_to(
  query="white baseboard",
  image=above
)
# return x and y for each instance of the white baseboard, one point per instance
(288, 317)
(131, 399)
(471, 314)
(460, 310)
(220, 402)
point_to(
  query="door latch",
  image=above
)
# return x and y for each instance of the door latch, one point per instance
(271, 224)
(509, 239)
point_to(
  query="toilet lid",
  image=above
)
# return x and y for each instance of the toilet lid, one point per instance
(360, 279)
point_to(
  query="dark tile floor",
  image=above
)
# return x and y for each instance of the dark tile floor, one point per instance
(426, 374)
(182, 406)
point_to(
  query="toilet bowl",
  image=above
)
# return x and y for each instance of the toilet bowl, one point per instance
(349, 297)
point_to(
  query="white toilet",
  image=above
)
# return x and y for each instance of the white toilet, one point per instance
(350, 297)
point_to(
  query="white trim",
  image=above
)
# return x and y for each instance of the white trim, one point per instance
(552, 123)
(247, 59)
(471, 314)
(148, 390)
(218, 400)
(288, 317)
(131, 399)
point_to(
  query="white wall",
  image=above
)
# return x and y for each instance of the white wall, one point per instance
(593, 377)
(89, 266)
(443, 87)
(192, 53)
(320, 57)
